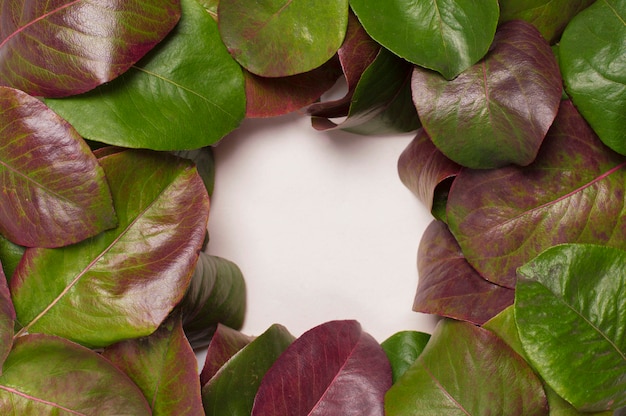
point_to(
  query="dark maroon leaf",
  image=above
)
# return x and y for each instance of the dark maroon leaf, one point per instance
(333, 369)
(573, 193)
(64, 47)
(224, 344)
(7, 319)
(54, 192)
(498, 111)
(449, 286)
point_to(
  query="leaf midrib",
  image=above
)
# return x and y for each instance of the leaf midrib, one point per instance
(39, 400)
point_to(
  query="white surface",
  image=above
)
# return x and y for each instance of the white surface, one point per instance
(320, 225)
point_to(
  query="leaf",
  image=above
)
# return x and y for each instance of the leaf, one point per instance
(137, 272)
(216, 294)
(243, 374)
(449, 286)
(7, 320)
(225, 343)
(324, 372)
(498, 111)
(402, 349)
(567, 303)
(187, 93)
(47, 375)
(466, 370)
(61, 47)
(10, 256)
(447, 36)
(271, 38)
(593, 62)
(164, 367)
(573, 192)
(205, 163)
(54, 193)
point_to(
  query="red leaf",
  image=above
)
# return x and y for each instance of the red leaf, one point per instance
(224, 344)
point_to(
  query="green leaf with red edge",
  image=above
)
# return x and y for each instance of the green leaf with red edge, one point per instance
(225, 343)
(137, 272)
(324, 371)
(449, 286)
(47, 375)
(277, 38)
(164, 367)
(573, 192)
(7, 319)
(494, 379)
(54, 192)
(243, 374)
(64, 47)
(498, 111)
(402, 349)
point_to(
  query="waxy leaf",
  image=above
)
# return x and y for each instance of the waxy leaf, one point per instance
(449, 286)
(569, 302)
(137, 272)
(332, 369)
(54, 192)
(10, 256)
(466, 370)
(243, 374)
(402, 349)
(64, 47)
(164, 367)
(225, 343)
(7, 319)
(278, 38)
(593, 60)
(498, 111)
(46, 375)
(447, 36)
(573, 192)
(187, 93)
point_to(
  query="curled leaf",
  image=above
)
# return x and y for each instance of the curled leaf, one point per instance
(225, 343)
(402, 349)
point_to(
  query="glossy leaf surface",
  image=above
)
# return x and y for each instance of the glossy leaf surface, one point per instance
(137, 271)
(225, 343)
(185, 94)
(7, 319)
(45, 375)
(10, 256)
(494, 379)
(243, 373)
(568, 303)
(272, 38)
(447, 36)
(205, 163)
(593, 60)
(449, 286)
(54, 192)
(498, 111)
(573, 192)
(334, 368)
(61, 47)
(402, 349)
(164, 367)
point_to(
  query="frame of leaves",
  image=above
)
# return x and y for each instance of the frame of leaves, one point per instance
(108, 111)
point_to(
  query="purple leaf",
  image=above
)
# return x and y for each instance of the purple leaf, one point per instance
(449, 286)
(54, 192)
(225, 343)
(333, 369)
(7, 319)
(65, 47)
(573, 193)
(498, 111)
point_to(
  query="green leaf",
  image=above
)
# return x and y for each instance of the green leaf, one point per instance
(402, 349)
(10, 256)
(593, 62)
(137, 272)
(205, 163)
(277, 38)
(447, 36)
(225, 343)
(187, 93)
(568, 301)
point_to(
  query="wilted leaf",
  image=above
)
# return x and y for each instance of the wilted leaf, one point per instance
(277, 38)
(164, 367)
(498, 111)
(225, 343)
(7, 319)
(137, 272)
(187, 93)
(447, 36)
(402, 349)
(60, 47)
(46, 375)
(332, 369)
(54, 192)
(568, 301)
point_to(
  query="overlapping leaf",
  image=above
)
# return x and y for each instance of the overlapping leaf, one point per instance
(54, 192)
(324, 372)
(574, 192)
(137, 272)
(498, 111)
(225, 343)
(7, 319)
(10, 256)
(187, 93)
(402, 349)
(61, 47)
